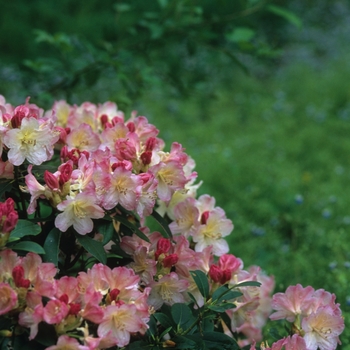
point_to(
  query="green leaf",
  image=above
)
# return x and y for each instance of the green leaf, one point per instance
(130, 225)
(24, 228)
(29, 247)
(164, 320)
(216, 340)
(248, 284)
(185, 342)
(93, 247)
(51, 246)
(240, 34)
(152, 327)
(201, 281)
(106, 228)
(162, 222)
(182, 315)
(286, 14)
(224, 293)
(221, 307)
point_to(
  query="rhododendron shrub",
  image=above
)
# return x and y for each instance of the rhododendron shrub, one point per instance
(104, 243)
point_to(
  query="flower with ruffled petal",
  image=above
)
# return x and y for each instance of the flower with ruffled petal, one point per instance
(78, 212)
(32, 141)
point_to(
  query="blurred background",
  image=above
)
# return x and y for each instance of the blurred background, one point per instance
(257, 91)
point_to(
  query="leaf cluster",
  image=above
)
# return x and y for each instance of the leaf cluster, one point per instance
(180, 44)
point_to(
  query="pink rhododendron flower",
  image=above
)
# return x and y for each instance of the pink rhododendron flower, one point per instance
(322, 329)
(32, 314)
(118, 322)
(294, 342)
(212, 231)
(32, 141)
(295, 301)
(83, 138)
(124, 189)
(55, 311)
(67, 343)
(170, 178)
(169, 289)
(8, 298)
(78, 212)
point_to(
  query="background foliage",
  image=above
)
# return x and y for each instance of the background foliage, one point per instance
(272, 145)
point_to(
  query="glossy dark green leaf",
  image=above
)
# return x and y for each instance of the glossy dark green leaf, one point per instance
(164, 320)
(248, 284)
(182, 315)
(24, 228)
(202, 283)
(29, 247)
(217, 340)
(152, 327)
(93, 247)
(51, 246)
(221, 307)
(106, 228)
(224, 293)
(130, 225)
(185, 342)
(163, 223)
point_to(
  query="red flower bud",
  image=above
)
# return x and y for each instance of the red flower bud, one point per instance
(104, 120)
(146, 157)
(51, 180)
(18, 274)
(18, 277)
(151, 143)
(66, 173)
(163, 244)
(131, 126)
(10, 222)
(226, 276)
(170, 260)
(215, 273)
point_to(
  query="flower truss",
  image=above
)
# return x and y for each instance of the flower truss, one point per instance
(104, 244)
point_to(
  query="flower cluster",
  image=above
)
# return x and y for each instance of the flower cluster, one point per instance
(316, 318)
(84, 188)
(102, 299)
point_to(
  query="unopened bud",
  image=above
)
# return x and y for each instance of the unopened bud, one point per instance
(151, 143)
(170, 260)
(51, 181)
(215, 273)
(163, 244)
(131, 127)
(146, 157)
